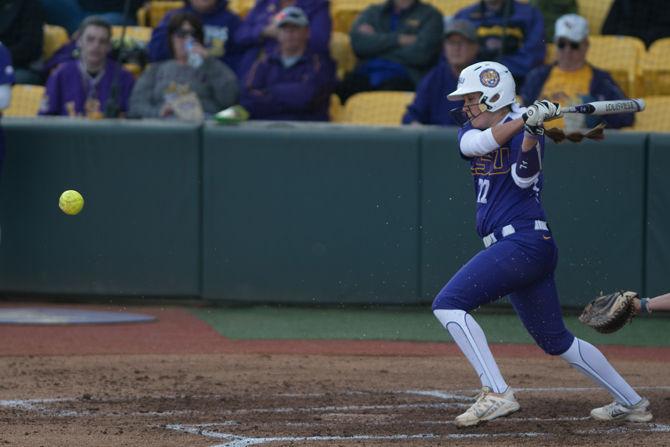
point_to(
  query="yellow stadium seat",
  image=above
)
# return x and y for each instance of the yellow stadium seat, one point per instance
(139, 33)
(450, 7)
(26, 100)
(377, 108)
(141, 16)
(621, 56)
(341, 52)
(344, 12)
(54, 37)
(656, 117)
(335, 110)
(241, 7)
(595, 11)
(154, 11)
(656, 68)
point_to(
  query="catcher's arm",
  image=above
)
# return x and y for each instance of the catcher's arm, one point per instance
(649, 305)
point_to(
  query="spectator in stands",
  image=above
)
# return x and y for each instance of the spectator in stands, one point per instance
(430, 105)
(93, 85)
(189, 80)
(219, 24)
(257, 35)
(6, 81)
(552, 10)
(649, 20)
(70, 13)
(293, 82)
(510, 32)
(21, 23)
(572, 80)
(396, 42)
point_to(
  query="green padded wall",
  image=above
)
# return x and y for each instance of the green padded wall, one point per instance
(658, 220)
(138, 232)
(310, 214)
(594, 198)
(449, 238)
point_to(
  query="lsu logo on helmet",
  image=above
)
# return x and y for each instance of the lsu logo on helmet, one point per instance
(489, 78)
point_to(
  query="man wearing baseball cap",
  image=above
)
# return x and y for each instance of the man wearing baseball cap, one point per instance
(572, 80)
(292, 82)
(430, 105)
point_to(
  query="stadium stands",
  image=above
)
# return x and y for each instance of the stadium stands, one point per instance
(621, 57)
(139, 33)
(54, 37)
(656, 68)
(342, 53)
(26, 101)
(595, 11)
(376, 108)
(640, 72)
(153, 12)
(656, 117)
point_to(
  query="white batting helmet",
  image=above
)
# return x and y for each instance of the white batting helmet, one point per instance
(493, 80)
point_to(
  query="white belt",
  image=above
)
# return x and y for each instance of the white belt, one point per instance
(509, 229)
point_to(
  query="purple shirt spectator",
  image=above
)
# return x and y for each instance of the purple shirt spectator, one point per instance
(249, 35)
(70, 91)
(220, 26)
(430, 105)
(6, 68)
(300, 92)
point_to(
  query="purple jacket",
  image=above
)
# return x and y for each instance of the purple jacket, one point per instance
(220, 27)
(298, 93)
(248, 35)
(67, 91)
(430, 105)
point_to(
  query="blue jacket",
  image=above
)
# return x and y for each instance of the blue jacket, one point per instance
(430, 105)
(297, 93)
(519, 37)
(601, 88)
(219, 25)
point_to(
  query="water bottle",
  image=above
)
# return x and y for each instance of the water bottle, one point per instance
(194, 59)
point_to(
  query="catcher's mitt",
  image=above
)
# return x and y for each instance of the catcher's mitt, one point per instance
(558, 135)
(609, 313)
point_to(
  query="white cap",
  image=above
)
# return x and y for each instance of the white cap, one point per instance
(572, 27)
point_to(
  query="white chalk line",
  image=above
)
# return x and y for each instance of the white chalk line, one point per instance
(243, 441)
(40, 406)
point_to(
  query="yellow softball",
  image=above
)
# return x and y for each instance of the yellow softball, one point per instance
(71, 202)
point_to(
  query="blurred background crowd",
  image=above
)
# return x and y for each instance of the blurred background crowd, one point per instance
(377, 62)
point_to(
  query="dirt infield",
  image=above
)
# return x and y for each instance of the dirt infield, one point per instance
(177, 382)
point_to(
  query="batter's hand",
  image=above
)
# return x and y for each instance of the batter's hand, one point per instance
(539, 112)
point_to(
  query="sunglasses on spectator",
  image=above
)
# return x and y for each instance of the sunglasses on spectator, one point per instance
(564, 43)
(184, 33)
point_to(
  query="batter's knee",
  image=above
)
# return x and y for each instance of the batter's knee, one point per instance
(446, 299)
(555, 344)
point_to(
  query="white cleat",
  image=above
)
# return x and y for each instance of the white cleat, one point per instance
(619, 412)
(488, 406)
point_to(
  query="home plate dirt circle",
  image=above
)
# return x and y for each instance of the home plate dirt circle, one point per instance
(55, 315)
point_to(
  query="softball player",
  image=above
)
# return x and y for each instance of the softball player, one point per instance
(504, 145)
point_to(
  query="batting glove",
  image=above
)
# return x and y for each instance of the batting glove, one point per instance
(537, 114)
